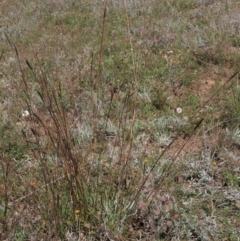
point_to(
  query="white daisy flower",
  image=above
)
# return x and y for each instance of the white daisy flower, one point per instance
(25, 114)
(179, 110)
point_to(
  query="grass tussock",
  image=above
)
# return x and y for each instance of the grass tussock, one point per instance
(119, 120)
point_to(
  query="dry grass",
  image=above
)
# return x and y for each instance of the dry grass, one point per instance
(120, 120)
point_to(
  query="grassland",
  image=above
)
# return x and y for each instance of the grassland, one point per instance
(119, 120)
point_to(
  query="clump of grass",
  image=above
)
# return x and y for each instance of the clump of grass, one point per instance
(91, 139)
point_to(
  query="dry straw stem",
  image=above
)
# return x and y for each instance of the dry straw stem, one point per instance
(135, 86)
(101, 47)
